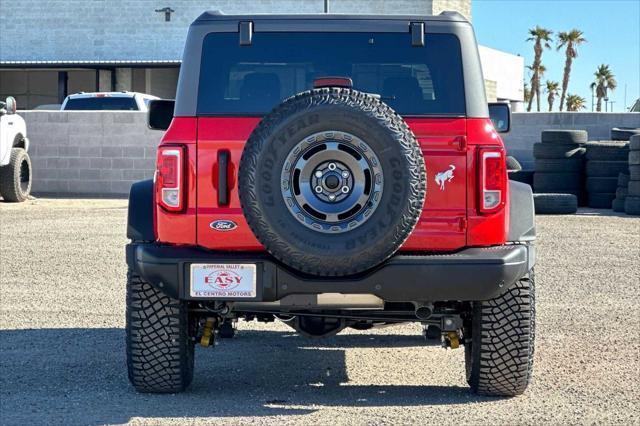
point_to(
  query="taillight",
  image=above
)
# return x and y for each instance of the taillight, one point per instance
(492, 179)
(170, 177)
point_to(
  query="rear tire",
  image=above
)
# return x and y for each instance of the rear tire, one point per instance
(160, 352)
(15, 177)
(499, 351)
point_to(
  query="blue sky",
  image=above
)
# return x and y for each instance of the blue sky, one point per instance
(611, 27)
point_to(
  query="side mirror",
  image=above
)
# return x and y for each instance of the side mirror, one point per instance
(11, 105)
(160, 113)
(500, 114)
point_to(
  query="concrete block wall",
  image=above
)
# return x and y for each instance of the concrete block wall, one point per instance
(102, 153)
(133, 30)
(526, 128)
(89, 153)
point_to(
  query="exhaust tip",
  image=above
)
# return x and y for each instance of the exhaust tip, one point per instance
(423, 312)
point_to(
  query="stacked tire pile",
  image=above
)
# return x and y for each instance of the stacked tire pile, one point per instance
(632, 201)
(559, 166)
(605, 161)
(621, 193)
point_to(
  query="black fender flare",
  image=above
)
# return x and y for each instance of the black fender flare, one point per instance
(522, 220)
(140, 212)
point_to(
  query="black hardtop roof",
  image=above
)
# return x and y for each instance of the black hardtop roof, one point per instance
(216, 15)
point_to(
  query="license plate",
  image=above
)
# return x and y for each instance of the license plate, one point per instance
(223, 280)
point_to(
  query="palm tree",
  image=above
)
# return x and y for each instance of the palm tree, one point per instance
(571, 40)
(605, 81)
(527, 93)
(536, 92)
(552, 90)
(541, 38)
(575, 102)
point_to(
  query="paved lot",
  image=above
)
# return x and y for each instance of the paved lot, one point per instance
(62, 340)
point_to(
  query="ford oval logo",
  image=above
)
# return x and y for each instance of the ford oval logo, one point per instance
(223, 225)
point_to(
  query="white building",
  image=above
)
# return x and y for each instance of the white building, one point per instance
(51, 48)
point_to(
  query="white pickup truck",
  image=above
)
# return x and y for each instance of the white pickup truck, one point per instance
(15, 164)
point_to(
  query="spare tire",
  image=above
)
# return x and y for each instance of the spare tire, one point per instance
(624, 133)
(563, 136)
(332, 182)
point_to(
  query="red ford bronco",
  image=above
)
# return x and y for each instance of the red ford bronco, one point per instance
(331, 171)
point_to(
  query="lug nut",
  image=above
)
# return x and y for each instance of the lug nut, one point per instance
(332, 197)
(318, 189)
(332, 166)
(345, 174)
(318, 174)
(345, 189)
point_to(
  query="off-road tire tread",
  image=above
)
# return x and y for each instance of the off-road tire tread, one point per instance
(504, 333)
(9, 182)
(369, 257)
(160, 353)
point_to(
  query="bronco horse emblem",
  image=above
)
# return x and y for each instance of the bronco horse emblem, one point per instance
(446, 176)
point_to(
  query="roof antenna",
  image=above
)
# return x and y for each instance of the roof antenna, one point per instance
(326, 6)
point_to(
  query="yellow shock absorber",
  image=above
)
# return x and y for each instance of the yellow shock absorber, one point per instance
(454, 342)
(207, 333)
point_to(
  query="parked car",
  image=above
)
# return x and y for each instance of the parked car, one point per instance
(112, 101)
(15, 164)
(331, 171)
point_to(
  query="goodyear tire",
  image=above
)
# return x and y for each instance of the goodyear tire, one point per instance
(15, 177)
(607, 151)
(624, 133)
(551, 151)
(564, 136)
(499, 341)
(160, 351)
(598, 200)
(285, 190)
(564, 165)
(632, 205)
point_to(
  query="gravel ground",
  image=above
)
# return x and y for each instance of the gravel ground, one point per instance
(62, 340)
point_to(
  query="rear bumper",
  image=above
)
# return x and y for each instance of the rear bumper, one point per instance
(469, 275)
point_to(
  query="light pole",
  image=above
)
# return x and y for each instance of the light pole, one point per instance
(606, 104)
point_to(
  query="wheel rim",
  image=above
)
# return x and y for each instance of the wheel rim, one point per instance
(332, 182)
(25, 177)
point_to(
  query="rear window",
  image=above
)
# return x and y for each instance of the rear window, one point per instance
(251, 80)
(102, 103)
